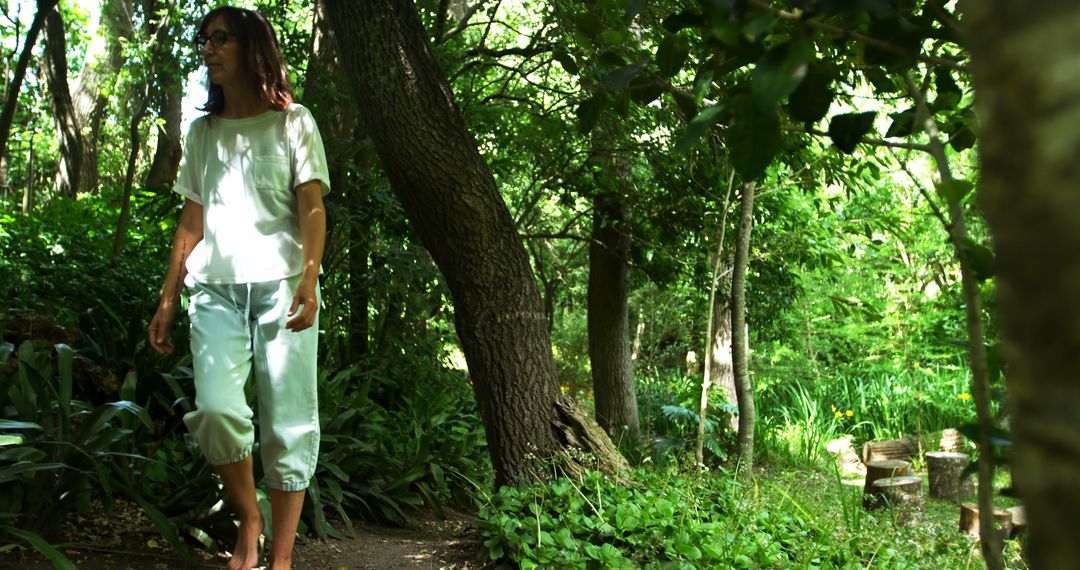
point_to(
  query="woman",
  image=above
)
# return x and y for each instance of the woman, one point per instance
(249, 246)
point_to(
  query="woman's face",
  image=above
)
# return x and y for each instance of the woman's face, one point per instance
(223, 63)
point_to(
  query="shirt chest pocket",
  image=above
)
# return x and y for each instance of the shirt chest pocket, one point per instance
(272, 173)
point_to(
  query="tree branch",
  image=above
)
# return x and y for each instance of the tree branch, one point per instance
(841, 33)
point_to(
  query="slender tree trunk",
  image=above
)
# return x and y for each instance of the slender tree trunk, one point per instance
(609, 290)
(67, 125)
(989, 538)
(28, 192)
(454, 205)
(129, 181)
(744, 390)
(1029, 103)
(166, 161)
(7, 115)
(718, 343)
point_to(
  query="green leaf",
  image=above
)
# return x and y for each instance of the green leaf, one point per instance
(677, 22)
(948, 92)
(12, 424)
(566, 61)
(589, 24)
(980, 257)
(704, 79)
(848, 129)
(127, 389)
(954, 191)
(6, 439)
(619, 79)
(59, 561)
(811, 100)
(699, 125)
(753, 139)
(778, 73)
(588, 112)
(962, 139)
(903, 124)
(672, 53)
(633, 8)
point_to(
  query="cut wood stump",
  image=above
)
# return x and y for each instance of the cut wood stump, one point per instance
(944, 469)
(905, 448)
(951, 440)
(904, 491)
(969, 520)
(880, 470)
(1019, 521)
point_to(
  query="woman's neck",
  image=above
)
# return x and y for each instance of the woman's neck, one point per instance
(242, 104)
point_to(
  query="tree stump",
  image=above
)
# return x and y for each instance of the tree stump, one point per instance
(904, 491)
(969, 520)
(876, 470)
(889, 449)
(951, 440)
(944, 470)
(1019, 521)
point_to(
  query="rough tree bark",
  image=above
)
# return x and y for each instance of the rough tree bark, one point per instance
(69, 134)
(7, 115)
(452, 201)
(744, 391)
(102, 64)
(1024, 57)
(166, 160)
(608, 296)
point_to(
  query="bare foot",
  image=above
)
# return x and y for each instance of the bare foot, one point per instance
(279, 564)
(246, 554)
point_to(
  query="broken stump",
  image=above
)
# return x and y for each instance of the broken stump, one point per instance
(880, 470)
(969, 520)
(944, 470)
(951, 440)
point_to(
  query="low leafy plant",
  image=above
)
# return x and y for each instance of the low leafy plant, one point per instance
(56, 452)
(650, 521)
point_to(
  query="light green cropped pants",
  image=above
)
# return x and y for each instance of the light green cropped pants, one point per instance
(239, 329)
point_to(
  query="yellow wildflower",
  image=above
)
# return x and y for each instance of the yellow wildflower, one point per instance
(834, 407)
(838, 414)
(965, 396)
(849, 413)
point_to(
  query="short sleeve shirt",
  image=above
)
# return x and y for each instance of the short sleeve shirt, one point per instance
(244, 172)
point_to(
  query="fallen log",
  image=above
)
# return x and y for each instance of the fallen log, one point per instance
(905, 448)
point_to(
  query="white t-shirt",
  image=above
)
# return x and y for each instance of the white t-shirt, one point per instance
(244, 173)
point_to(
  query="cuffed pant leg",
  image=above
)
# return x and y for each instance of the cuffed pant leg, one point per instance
(285, 376)
(221, 355)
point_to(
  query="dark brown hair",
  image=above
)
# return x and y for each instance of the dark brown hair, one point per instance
(260, 56)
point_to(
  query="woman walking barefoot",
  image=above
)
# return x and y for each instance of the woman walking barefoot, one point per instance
(249, 247)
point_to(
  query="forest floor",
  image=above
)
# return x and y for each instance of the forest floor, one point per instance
(121, 542)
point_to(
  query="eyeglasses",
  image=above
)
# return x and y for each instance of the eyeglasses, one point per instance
(217, 38)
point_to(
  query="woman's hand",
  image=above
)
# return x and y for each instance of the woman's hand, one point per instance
(160, 327)
(305, 295)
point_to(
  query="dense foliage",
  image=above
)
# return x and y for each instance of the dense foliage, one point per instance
(856, 318)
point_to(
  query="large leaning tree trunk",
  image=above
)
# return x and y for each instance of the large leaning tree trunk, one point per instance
(11, 95)
(740, 359)
(609, 291)
(451, 199)
(1025, 57)
(63, 111)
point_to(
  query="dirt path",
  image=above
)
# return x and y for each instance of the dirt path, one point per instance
(433, 544)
